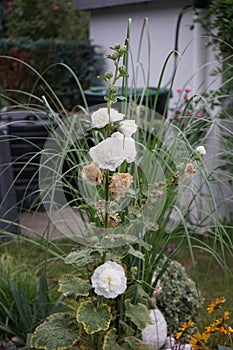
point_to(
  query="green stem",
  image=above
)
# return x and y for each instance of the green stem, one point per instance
(106, 197)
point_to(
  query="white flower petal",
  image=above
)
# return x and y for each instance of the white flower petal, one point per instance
(100, 118)
(109, 280)
(128, 127)
(111, 153)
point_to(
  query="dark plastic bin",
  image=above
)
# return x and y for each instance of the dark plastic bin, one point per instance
(95, 96)
(8, 202)
(27, 132)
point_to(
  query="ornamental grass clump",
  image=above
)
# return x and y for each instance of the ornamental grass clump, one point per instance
(191, 115)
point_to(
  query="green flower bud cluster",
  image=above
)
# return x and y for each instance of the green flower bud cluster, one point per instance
(112, 77)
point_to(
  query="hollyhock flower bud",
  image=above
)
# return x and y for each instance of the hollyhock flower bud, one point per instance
(201, 150)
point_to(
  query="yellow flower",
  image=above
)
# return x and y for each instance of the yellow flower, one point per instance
(213, 306)
(198, 341)
(230, 329)
(179, 335)
(183, 328)
(195, 342)
(226, 315)
(223, 330)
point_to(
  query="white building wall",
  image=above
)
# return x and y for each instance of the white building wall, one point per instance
(109, 26)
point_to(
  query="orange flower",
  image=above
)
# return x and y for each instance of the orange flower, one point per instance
(213, 306)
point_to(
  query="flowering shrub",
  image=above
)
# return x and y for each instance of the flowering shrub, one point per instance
(218, 334)
(123, 221)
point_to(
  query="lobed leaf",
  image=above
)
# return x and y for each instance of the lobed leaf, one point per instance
(80, 257)
(138, 314)
(110, 340)
(73, 287)
(94, 319)
(58, 332)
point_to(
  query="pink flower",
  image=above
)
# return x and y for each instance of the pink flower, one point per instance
(198, 115)
(178, 90)
(187, 89)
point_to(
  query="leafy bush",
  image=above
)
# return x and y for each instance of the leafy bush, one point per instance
(46, 19)
(218, 26)
(179, 300)
(84, 58)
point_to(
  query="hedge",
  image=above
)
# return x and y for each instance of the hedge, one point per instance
(85, 59)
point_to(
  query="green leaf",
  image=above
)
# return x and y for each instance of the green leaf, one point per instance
(59, 331)
(115, 240)
(136, 253)
(137, 294)
(94, 319)
(80, 257)
(110, 340)
(136, 343)
(73, 287)
(102, 77)
(138, 314)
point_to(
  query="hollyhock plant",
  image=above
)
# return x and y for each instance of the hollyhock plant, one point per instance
(131, 182)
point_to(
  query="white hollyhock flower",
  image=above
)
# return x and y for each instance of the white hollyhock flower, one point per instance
(100, 118)
(109, 280)
(201, 150)
(128, 127)
(111, 152)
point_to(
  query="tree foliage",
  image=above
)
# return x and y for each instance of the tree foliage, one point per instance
(46, 19)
